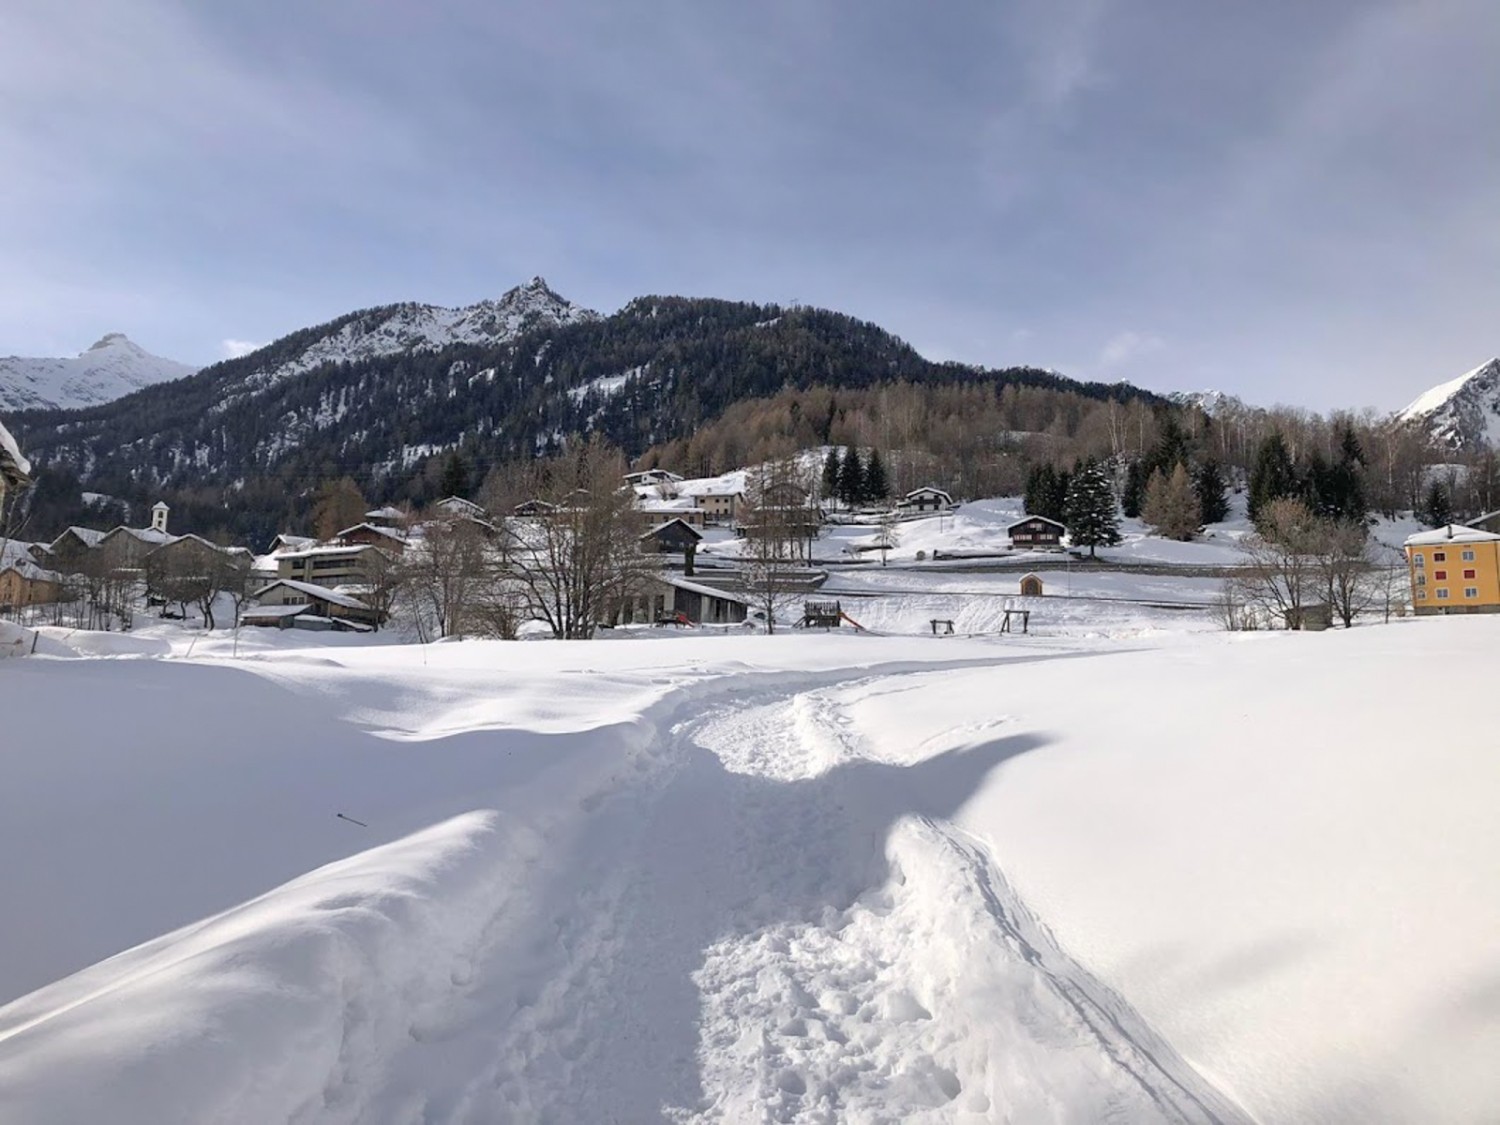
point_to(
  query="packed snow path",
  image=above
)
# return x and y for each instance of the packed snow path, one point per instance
(747, 917)
(774, 927)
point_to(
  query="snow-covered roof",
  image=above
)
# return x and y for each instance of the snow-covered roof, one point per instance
(1044, 519)
(386, 513)
(696, 534)
(459, 506)
(275, 611)
(929, 490)
(88, 536)
(651, 475)
(388, 532)
(145, 535)
(313, 590)
(681, 504)
(16, 468)
(699, 588)
(31, 570)
(309, 552)
(1453, 533)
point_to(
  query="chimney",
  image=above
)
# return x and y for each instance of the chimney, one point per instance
(159, 512)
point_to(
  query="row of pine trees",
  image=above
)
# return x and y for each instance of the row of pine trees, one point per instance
(1177, 488)
(853, 480)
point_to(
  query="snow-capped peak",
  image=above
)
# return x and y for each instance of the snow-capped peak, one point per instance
(114, 340)
(414, 327)
(112, 367)
(1463, 411)
(1210, 402)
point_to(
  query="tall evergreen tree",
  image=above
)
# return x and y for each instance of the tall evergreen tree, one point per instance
(831, 473)
(851, 478)
(1047, 493)
(1273, 477)
(1092, 514)
(877, 487)
(1173, 446)
(1438, 509)
(1134, 493)
(455, 480)
(1210, 486)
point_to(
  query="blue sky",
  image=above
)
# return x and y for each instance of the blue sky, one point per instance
(1296, 202)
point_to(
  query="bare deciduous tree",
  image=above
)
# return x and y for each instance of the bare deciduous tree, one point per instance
(1281, 574)
(779, 524)
(579, 560)
(445, 570)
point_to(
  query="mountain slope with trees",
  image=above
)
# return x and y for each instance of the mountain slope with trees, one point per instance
(386, 396)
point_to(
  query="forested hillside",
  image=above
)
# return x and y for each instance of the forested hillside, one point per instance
(242, 446)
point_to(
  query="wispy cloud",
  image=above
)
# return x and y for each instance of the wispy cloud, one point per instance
(1124, 348)
(233, 349)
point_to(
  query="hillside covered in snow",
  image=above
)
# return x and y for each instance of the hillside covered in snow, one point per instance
(111, 369)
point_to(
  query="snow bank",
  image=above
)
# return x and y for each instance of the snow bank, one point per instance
(1272, 847)
(277, 1010)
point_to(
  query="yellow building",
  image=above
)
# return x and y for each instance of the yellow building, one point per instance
(1454, 569)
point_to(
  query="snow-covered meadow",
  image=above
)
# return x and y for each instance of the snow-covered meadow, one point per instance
(1125, 868)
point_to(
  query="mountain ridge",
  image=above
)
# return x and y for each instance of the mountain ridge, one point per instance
(1461, 413)
(109, 369)
(379, 394)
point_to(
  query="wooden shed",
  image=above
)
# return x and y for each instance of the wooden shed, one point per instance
(1031, 586)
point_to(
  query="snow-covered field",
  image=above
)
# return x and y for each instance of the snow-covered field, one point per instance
(1126, 869)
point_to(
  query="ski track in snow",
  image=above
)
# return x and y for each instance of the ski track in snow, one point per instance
(776, 928)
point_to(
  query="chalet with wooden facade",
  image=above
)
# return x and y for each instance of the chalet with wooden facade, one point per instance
(24, 583)
(926, 500)
(674, 537)
(372, 535)
(1036, 531)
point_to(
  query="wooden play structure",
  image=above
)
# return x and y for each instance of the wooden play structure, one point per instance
(825, 615)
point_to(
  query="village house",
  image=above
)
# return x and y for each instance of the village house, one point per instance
(668, 598)
(674, 537)
(1454, 569)
(663, 481)
(1036, 531)
(192, 554)
(126, 548)
(719, 503)
(68, 552)
(1490, 521)
(535, 509)
(372, 535)
(683, 509)
(282, 603)
(333, 565)
(925, 500)
(25, 584)
(387, 516)
(457, 506)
